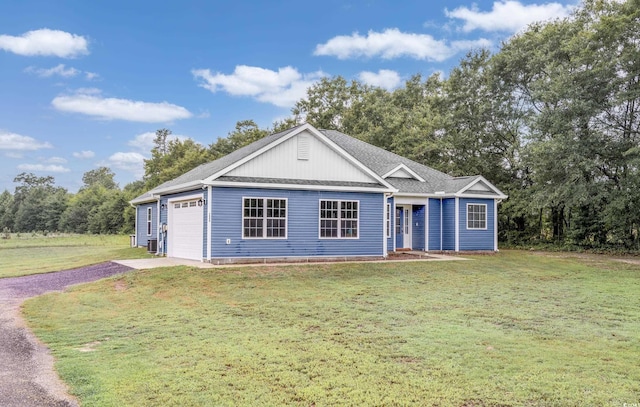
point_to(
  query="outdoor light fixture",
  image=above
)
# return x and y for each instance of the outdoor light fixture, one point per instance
(163, 206)
(201, 202)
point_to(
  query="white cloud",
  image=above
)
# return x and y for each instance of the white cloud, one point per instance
(385, 78)
(89, 102)
(91, 76)
(45, 42)
(508, 16)
(12, 154)
(42, 168)
(145, 141)
(84, 154)
(282, 87)
(389, 44)
(56, 160)
(131, 161)
(13, 141)
(60, 70)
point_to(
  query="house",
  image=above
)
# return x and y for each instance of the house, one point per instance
(310, 193)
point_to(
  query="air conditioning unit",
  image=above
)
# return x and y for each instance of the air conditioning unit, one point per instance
(152, 245)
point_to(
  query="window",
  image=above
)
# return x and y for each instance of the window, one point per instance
(149, 212)
(388, 220)
(339, 219)
(264, 218)
(476, 216)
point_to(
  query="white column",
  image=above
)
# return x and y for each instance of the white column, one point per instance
(495, 225)
(426, 226)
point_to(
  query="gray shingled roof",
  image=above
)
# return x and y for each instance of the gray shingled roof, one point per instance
(380, 161)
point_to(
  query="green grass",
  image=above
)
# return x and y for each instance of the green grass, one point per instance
(514, 329)
(32, 254)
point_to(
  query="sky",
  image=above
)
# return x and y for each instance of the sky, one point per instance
(85, 84)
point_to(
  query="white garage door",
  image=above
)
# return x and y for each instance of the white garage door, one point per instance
(184, 237)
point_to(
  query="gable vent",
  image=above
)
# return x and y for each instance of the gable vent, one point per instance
(303, 147)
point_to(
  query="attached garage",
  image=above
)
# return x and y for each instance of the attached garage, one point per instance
(185, 229)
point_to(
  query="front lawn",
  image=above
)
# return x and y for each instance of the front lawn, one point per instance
(512, 329)
(24, 254)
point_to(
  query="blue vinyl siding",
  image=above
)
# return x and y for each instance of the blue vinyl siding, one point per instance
(165, 212)
(434, 224)
(390, 247)
(448, 224)
(474, 239)
(302, 225)
(417, 227)
(141, 233)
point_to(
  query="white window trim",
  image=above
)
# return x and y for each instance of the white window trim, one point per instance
(339, 219)
(387, 221)
(149, 221)
(486, 216)
(264, 218)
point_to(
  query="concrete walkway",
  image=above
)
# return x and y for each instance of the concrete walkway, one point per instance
(142, 264)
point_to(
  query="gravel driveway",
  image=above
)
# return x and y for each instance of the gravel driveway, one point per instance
(27, 377)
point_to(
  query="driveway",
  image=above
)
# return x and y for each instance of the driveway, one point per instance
(27, 378)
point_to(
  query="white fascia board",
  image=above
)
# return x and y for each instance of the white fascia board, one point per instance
(480, 178)
(429, 195)
(178, 188)
(320, 136)
(407, 169)
(298, 186)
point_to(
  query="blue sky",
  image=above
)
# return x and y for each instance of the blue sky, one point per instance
(85, 84)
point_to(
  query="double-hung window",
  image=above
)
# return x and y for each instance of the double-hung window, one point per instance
(264, 218)
(339, 219)
(387, 220)
(476, 216)
(149, 218)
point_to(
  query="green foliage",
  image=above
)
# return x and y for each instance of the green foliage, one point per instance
(512, 329)
(101, 176)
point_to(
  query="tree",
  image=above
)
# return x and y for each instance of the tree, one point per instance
(102, 176)
(245, 132)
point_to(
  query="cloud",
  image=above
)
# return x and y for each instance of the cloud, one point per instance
(56, 160)
(385, 78)
(91, 103)
(508, 16)
(13, 141)
(281, 88)
(13, 154)
(60, 70)
(145, 141)
(389, 44)
(42, 168)
(131, 161)
(91, 76)
(84, 154)
(45, 42)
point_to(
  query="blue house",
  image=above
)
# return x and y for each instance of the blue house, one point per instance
(310, 193)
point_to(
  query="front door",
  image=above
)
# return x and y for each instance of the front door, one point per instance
(403, 227)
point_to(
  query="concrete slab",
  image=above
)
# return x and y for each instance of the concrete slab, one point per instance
(141, 264)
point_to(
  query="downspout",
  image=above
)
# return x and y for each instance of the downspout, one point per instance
(209, 210)
(441, 224)
(457, 225)
(495, 223)
(159, 231)
(135, 224)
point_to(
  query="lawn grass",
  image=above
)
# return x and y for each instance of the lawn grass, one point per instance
(32, 254)
(514, 329)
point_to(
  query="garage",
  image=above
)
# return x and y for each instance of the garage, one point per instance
(185, 229)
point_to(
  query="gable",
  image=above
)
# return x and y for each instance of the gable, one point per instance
(401, 173)
(480, 187)
(305, 157)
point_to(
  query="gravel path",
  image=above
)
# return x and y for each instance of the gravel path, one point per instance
(27, 378)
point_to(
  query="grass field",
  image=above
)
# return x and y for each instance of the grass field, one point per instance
(33, 254)
(514, 329)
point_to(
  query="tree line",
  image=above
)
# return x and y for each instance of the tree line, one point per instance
(552, 118)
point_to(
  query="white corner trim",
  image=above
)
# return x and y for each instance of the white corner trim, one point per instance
(427, 225)
(209, 210)
(407, 169)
